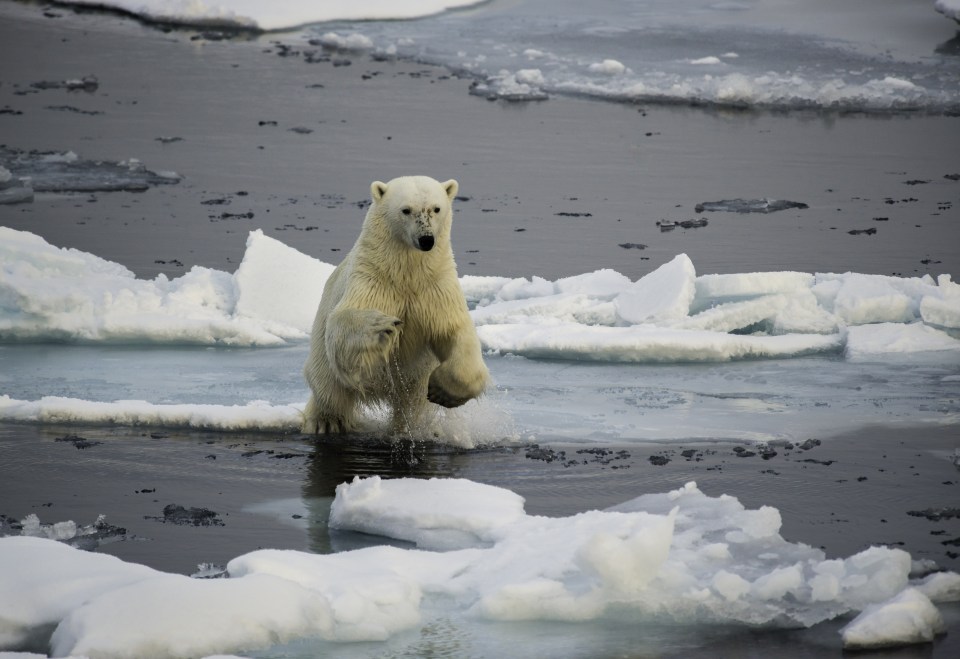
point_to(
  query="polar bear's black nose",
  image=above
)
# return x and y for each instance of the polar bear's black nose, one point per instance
(425, 243)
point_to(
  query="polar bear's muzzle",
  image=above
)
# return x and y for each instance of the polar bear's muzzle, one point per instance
(425, 242)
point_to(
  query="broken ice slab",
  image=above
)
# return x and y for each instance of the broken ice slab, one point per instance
(12, 189)
(764, 205)
(87, 84)
(67, 172)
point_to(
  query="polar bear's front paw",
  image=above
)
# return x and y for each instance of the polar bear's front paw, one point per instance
(383, 330)
(448, 391)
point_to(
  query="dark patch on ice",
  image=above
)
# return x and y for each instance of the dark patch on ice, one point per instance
(659, 460)
(571, 214)
(6, 109)
(64, 172)
(668, 225)
(632, 245)
(936, 514)
(909, 200)
(764, 205)
(743, 453)
(74, 110)
(952, 177)
(266, 122)
(301, 130)
(168, 140)
(864, 232)
(176, 514)
(825, 463)
(77, 441)
(916, 181)
(808, 444)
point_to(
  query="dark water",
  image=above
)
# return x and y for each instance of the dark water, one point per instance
(275, 492)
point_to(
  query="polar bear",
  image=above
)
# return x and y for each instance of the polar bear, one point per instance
(392, 326)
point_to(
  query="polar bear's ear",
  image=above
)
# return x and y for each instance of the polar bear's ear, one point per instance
(378, 189)
(451, 188)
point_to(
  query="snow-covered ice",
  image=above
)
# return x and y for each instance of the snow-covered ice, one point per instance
(681, 556)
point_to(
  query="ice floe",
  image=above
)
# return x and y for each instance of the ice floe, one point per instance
(276, 15)
(680, 556)
(48, 293)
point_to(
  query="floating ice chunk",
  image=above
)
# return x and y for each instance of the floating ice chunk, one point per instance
(353, 41)
(372, 593)
(41, 581)
(645, 343)
(765, 205)
(803, 315)
(907, 618)
(867, 342)
(12, 189)
(751, 284)
(609, 67)
(509, 86)
(949, 8)
(861, 299)
(942, 312)
(65, 172)
(444, 514)
(256, 415)
(174, 615)
(660, 297)
(736, 315)
(277, 282)
(548, 310)
(710, 60)
(940, 586)
(58, 294)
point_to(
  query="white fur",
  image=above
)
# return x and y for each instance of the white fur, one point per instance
(392, 326)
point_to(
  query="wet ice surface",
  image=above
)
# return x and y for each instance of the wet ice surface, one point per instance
(67, 172)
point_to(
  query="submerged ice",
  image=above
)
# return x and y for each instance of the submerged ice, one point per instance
(681, 556)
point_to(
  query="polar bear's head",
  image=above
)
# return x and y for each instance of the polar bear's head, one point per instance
(416, 209)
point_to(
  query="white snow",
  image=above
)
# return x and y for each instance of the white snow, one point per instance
(681, 557)
(275, 15)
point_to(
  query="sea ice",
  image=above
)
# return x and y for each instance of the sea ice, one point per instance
(65, 172)
(905, 619)
(681, 556)
(276, 15)
(670, 314)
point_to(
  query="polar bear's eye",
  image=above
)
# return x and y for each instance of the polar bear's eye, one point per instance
(436, 209)
(405, 211)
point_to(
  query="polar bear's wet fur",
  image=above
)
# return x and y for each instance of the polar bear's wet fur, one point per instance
(392, 327)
